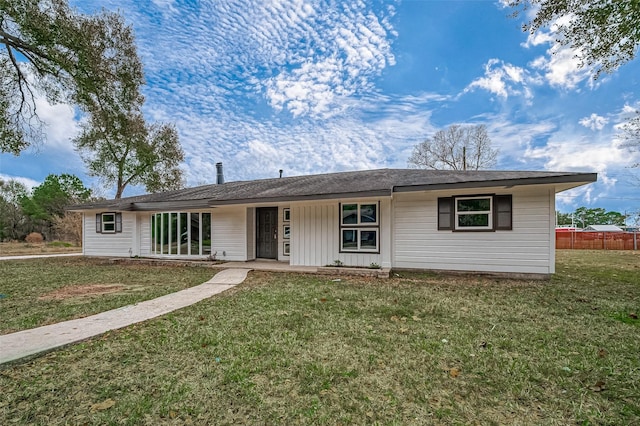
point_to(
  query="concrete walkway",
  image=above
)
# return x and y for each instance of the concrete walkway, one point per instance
(43, 339)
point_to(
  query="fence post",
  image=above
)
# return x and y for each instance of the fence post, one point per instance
(604, 241)
(635, 240)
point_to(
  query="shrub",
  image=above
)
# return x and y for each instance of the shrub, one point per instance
(34, 237)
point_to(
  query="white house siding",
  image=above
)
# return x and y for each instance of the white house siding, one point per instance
(118, 244)
(144, 221)
(228, 225)
(528, 248)
(315, 235)
(251, 233)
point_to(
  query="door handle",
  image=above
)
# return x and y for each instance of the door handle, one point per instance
(275, 235)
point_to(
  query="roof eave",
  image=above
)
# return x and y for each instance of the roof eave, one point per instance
(577, 180)
(283, 199)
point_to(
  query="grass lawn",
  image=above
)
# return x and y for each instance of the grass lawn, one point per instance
(37, 292)
(17, 249)
(415, 349)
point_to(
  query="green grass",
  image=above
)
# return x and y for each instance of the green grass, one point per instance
(27, 288)
(415, 349)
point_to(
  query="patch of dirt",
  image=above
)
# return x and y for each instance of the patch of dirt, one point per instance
(81, 291)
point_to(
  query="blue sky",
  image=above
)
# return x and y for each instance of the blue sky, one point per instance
(321, 86)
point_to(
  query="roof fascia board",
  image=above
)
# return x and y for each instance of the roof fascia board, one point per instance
(363, 194)
(169, 205)
(580, 179)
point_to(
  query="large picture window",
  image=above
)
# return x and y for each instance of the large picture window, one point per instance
(359, 230)
(475, 213)
(181, 233)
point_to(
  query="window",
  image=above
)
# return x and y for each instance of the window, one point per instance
(108, 223)
(181, 233)
(358, 227)
(359, 214)
(475, 213)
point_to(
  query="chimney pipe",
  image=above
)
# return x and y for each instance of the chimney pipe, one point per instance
(219, 174)
(280, 172)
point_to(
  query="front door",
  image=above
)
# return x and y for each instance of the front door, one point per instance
(267, 230)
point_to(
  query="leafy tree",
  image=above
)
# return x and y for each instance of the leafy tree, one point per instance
(605, 33)
(455, 148)
(53, 51)
(597, 216)
(13, 222)
(92, 62)
(49, 199)
(135, 154)
(563, 219)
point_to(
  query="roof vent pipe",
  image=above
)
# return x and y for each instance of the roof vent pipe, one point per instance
(219, 174)
(280, 172)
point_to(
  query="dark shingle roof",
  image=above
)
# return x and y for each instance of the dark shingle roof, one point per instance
(381, 182)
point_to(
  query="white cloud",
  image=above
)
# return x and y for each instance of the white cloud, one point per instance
(561, 65)
(594, 122)
(504, 80)
(577, 153)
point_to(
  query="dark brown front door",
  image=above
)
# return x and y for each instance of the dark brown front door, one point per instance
(267, 230)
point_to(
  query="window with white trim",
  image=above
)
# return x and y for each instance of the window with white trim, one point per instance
(108, 223)
(359, 229)
(475, 213)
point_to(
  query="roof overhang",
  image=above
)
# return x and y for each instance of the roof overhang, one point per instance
(262, 200)
(561, 183)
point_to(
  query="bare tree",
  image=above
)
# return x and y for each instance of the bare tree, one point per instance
(455, 148)
(68, 227)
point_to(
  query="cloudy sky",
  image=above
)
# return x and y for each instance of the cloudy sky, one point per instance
(312, 86)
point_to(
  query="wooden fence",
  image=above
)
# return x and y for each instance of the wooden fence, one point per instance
(597, 240)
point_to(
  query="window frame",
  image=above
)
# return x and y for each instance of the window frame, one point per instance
(170, 230)
(457, 214)
(358, 248)
(359, 227)
(101, 223)
(500, 214)
(359, 214)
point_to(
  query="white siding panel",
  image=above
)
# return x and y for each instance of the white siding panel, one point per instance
(229, 229)
(116, 245)
(251, 233)
(417, 242)
(315, 236)
(144, 221)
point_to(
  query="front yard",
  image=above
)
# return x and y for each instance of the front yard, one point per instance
(296, 349)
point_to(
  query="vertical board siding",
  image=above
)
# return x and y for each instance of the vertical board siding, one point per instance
(251, 233)
(117, 244)
(315, 238)
(229, 229)
(525, 249)
(145, 234)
